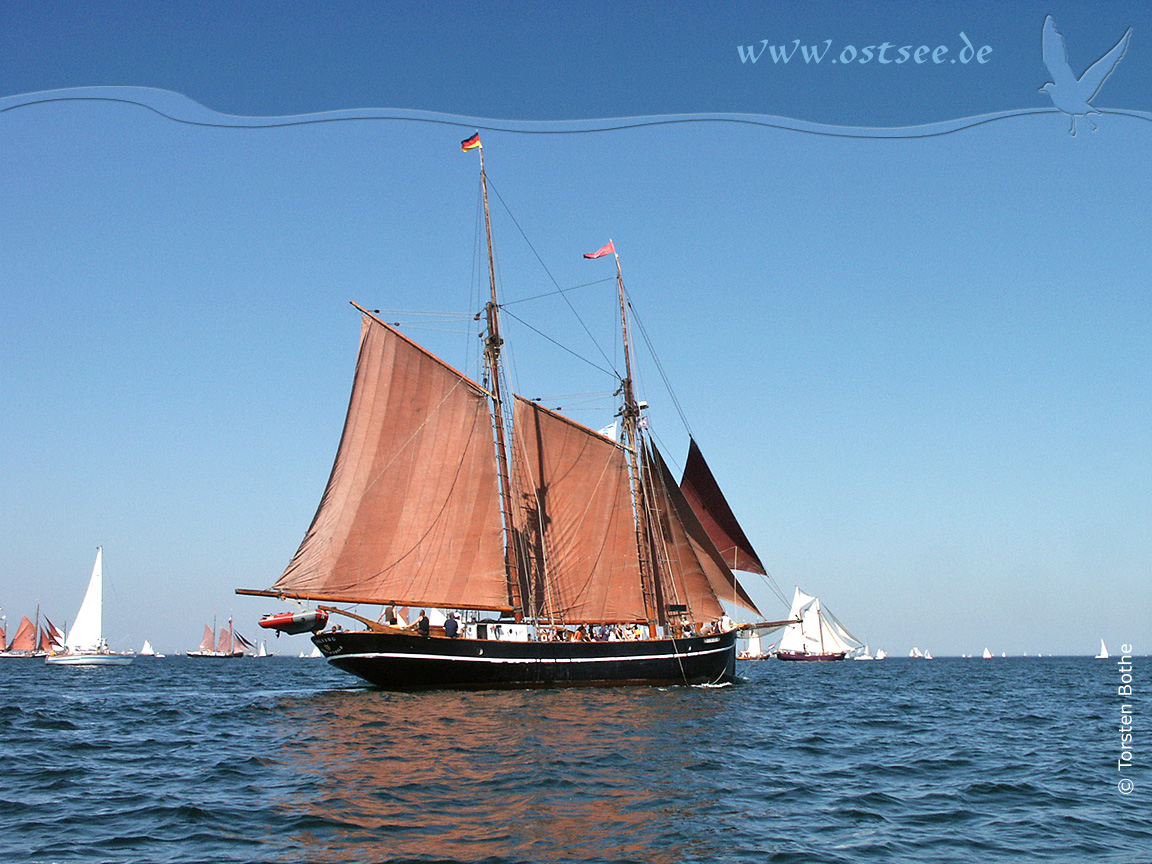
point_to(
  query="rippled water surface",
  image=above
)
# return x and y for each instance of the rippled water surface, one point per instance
(179, 760)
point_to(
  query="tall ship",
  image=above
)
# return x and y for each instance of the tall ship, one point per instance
(228, 644)
(815, 634)
(572, 556)
(26, 642)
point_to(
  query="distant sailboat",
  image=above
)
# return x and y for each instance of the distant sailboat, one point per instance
(85, 644)
(815, 633)
(229, 644)
(881, 654)
(1103, 655)
(148, 650)
(312, 656)
(263, 652)
(987, 654)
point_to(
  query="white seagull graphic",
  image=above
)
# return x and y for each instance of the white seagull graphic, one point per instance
(1070, 94)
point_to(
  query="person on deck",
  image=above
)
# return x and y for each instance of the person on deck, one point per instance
(451, 628)
(422, 624)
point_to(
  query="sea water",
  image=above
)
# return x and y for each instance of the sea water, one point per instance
(281, 759)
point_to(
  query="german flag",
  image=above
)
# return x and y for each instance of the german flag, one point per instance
(470, 143)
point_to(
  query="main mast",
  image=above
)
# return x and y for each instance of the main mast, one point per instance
(492, 344)
(630, 422)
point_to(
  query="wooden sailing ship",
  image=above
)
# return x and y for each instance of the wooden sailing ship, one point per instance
(815, 634)
(228, 645)
(446, 494)
(26, 642)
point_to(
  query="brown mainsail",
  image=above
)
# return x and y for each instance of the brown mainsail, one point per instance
(25, 638)
(577, 519)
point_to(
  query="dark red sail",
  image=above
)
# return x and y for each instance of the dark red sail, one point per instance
(711, 508)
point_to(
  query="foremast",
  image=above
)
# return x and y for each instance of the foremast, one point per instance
(492, 345)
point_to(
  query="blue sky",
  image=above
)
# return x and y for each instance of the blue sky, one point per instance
(917, 364)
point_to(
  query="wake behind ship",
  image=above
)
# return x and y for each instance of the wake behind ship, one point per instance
(577, 557)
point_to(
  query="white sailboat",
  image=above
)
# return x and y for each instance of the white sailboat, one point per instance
(815, 633)
(1103, 655)
(263, 652)
(987, 654)
(148, 650)
(85, 644)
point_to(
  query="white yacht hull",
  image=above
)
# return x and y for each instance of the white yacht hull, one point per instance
(88, 659)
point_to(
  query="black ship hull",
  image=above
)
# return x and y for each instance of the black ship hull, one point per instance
(810, 658)
(403, 661)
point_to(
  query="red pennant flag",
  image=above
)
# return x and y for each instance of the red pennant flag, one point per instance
(610, 249)
(470, 143)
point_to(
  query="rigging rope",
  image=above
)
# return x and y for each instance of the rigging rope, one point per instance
(549, 274)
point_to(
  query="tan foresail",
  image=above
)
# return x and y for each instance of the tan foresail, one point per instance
(698, 570)
(412, 508)
(707, 500)
(577, 523)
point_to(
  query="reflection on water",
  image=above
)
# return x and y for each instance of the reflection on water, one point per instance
(179, 762)
(531, 775)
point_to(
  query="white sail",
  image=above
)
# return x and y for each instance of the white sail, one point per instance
(86, 631)
(1103, 655)
(817, 632)
(987, 654)
(147, 650)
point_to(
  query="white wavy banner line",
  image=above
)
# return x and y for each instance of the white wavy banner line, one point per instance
(180, 109)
